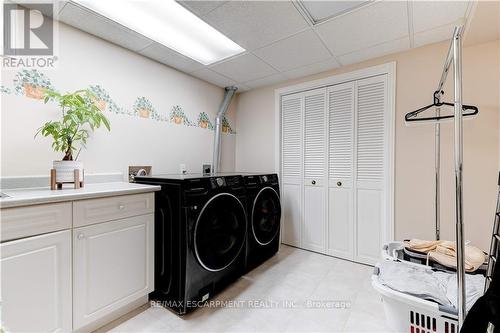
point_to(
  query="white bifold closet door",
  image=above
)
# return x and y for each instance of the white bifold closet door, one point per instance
(341, 106)
(291, 168)
(335, 169)
(357, 168)
(315, 164)
(371, 167)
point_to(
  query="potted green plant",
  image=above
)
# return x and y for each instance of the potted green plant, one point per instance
(79, 116)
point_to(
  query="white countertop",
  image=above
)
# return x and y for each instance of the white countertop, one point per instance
(34, 196)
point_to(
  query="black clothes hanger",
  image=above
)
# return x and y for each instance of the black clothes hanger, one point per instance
(468, 110)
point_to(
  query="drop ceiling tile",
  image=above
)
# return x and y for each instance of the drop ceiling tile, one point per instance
(320, 10)
(100, 26)
(253, 24)
(318, 67)
(484, 24)
(375, 51)
(244, 68)
(368, 26)
(201, 7)
(434, 35)
(432, 14)
(299, 50)
(213, 77)
(171, 58)
(268, 80)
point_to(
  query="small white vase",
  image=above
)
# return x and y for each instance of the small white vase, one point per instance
(65, 171)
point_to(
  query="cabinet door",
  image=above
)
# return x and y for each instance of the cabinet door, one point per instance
(371, 167)
(315, 184)
(341, 170)
(112, 266)
(36, 283)
(291, 180)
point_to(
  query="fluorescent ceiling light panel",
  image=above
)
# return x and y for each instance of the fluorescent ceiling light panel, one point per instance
(170, 24)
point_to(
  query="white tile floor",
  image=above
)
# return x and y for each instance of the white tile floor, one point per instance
(293, 275)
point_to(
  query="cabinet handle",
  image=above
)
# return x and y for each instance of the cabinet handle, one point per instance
(80, 236)
(313, 182)
(339, 183)
(120, 207)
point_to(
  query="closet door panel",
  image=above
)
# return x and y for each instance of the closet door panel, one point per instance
(315, 162)
(341, 106)
(291, 111)
(369, 222)
(371, 106)
(371, 166)
(341, 134)
(291, 203)
(313, 236)
(291, 180)
(314, 137)
(340, 227)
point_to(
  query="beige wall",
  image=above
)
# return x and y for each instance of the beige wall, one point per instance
(86, 60)
(418, 72)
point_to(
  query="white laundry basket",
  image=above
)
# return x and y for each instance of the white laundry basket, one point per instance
(410, 314)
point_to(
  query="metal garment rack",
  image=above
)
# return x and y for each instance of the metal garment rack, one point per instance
(454, 57)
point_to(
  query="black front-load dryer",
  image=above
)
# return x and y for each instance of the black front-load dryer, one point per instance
(200, 237)
(264, 218)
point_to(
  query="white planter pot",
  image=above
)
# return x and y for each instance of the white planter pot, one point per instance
(65, 171)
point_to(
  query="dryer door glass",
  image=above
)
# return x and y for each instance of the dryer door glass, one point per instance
(219, 233)
(266, 215)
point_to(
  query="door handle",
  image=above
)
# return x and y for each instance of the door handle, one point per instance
(339, 184)
(313, 182)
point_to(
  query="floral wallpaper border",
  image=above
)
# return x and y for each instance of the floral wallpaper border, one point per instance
(30, 83)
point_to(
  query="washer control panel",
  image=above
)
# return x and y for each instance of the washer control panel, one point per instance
(266, 179)
(220, 181)
(217, 182)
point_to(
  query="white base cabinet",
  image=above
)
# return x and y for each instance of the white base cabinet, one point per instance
(112, 266)
(80, 264)
(36, 283)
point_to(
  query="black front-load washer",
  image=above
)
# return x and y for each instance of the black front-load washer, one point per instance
(264, 218)
(200, 237)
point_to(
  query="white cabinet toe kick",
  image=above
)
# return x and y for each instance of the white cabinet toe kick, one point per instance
(77, 265)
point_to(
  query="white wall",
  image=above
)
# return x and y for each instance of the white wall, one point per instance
(255, 123)
(87, 60)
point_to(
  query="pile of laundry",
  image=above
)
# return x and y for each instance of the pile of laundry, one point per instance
(429, 284)
(444, 253)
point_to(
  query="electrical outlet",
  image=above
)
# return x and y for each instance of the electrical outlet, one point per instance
(207, 169)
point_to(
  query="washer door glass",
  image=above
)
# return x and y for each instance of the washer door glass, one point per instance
(219, 234)
(266, 215)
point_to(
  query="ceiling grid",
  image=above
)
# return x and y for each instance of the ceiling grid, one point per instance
(283, 40)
